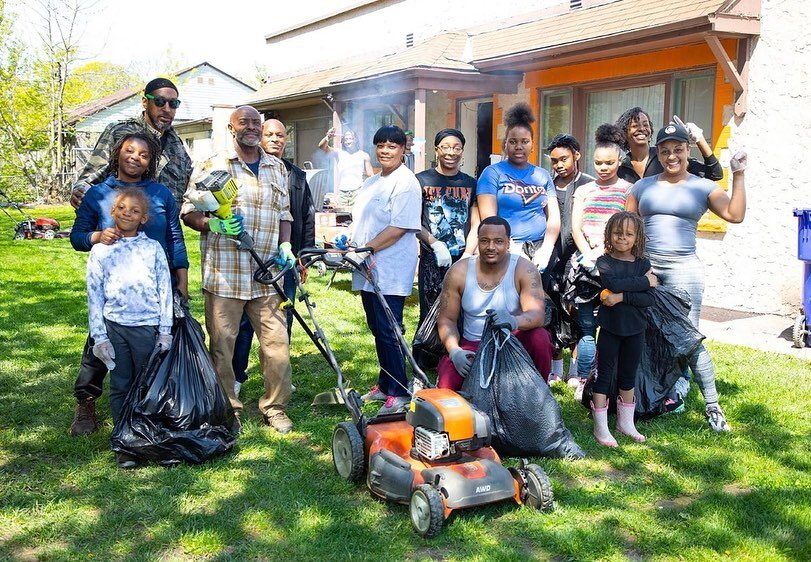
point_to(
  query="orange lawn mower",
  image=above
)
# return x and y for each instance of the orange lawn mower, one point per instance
(436, 456)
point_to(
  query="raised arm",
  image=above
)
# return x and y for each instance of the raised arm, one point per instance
(323, 144)
(731, 209)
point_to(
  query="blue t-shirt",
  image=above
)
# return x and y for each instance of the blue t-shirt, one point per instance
(163, 224)
(522, 195)
(671, 212)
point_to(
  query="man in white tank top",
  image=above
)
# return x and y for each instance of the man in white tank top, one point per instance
(507, 284)
(352, 166)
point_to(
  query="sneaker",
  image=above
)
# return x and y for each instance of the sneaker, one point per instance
(717, 419)
(280, 422)
(85, 421)
(674, 406)
(126, 461)
(553, 378)
(573, 382)
(373, 394)
(394, 404)
(237, 388)
(578, 392)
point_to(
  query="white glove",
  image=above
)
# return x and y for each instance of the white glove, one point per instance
(738, 162)
(104, 351)
(164, 342)
(503, 319)
(462, 359)
(696, 133)
(541, 260)
(356, 257)
(441, 253)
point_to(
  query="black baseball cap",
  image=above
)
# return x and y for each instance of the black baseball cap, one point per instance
(672, 131)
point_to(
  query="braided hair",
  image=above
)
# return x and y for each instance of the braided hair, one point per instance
(624, 121)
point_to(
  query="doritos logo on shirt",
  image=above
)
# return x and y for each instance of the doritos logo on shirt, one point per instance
(528, 193)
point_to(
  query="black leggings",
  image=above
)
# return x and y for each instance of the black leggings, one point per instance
(618, 358)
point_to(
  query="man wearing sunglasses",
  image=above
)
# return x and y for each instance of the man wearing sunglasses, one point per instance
(160, 102)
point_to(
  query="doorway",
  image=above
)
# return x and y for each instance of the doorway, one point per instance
(475, 118)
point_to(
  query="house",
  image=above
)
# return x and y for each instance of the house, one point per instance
(207, 94)
(737, 68)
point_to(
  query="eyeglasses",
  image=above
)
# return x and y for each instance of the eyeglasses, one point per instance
(160, 102)
(450, 149)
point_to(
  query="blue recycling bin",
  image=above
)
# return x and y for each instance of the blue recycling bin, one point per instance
(802, 324)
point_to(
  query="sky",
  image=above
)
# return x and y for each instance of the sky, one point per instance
(145, 36)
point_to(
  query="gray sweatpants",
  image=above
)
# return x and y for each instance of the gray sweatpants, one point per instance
(133, 345)
(687, 273)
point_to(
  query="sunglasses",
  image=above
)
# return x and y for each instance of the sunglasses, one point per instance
(160, 102)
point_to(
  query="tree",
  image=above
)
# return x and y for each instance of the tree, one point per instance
(96, 80)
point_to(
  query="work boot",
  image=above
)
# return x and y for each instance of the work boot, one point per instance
(625, 420)
(85, 421)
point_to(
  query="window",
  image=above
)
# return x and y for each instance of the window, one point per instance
(579, 110)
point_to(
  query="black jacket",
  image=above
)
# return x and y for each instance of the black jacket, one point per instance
(710, 169)
(301, 207)
(565, 242)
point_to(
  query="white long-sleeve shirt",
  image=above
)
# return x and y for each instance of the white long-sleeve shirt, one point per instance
(128, 283)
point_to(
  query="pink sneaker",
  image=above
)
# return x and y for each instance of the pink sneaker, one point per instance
(373, 394)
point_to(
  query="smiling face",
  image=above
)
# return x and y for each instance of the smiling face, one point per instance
(160, 117)
(493, 244)
(274, 137)
(348, 140)
(623, 237)
(246, 127)
(133, 160)
(673, 157)
(390, 156)
(639, 131)
(606, 163)
(518, 145)
(564, 162)
(128, 215)
(449, 154)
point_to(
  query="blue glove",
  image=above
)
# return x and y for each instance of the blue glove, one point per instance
(341, 242)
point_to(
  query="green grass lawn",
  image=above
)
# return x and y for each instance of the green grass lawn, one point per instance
(686, 494)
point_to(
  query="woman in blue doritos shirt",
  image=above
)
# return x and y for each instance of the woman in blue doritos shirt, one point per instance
(520, 192)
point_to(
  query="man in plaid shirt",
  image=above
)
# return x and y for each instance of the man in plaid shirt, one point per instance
(262, 208)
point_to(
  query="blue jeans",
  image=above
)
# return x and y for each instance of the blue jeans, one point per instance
(242, 345)
(392, 376)
(586, 347)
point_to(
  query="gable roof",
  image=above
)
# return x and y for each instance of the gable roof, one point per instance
(94, 106)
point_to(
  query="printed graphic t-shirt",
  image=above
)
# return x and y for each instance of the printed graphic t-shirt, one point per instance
(522, 195)
(446, 202)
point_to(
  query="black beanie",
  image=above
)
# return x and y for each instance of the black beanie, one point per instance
(449, 133)
(157, 84)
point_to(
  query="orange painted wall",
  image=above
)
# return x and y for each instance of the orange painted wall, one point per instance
(666, 60)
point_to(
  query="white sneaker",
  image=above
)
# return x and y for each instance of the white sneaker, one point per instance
(373, 394)
(578, 392)
(716, 419)
(573, 382)
(237, 387)
(553, 378)
(394, 404)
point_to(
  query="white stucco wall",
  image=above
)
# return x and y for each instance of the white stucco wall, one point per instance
(754, 266)
(383, 31)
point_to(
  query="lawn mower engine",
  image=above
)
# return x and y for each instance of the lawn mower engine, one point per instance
(446, 425)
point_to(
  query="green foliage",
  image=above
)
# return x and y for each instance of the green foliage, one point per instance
(96, 80)
(685, 494)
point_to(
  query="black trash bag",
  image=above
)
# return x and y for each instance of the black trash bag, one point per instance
(561, 324)
(176, 410)
(426, 345)
(526, 418)
(670, 339)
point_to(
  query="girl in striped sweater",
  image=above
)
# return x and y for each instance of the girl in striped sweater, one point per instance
(594, 204)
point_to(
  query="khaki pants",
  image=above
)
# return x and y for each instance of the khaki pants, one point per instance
(269, 321)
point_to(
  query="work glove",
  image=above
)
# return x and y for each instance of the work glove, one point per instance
(738, 162)
(441, 253)
(105, 352)
(341, 242)
(541, 260)
(696, 133)
(231, 227)
(164, 342)
(356, 257)
(503, 319)
(286, 255)
(462, 359)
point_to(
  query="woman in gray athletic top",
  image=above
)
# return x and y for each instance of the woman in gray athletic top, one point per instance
(671, 204)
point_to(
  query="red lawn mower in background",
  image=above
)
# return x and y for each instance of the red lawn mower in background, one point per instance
(29, 228)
